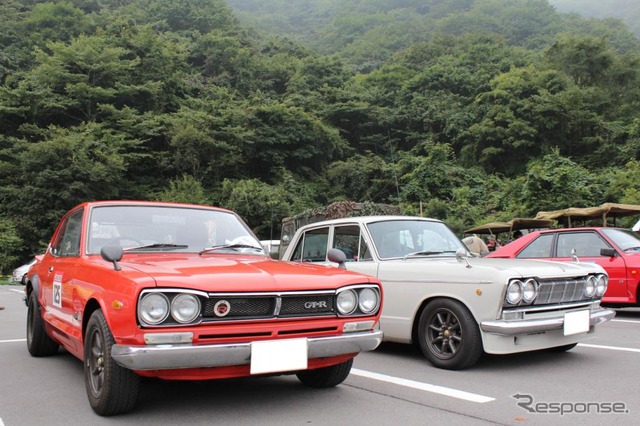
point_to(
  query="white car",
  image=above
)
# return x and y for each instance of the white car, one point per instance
(20, 273)
(456, 306)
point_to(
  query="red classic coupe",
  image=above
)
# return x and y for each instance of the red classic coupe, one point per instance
(617, 250)
(186, 292)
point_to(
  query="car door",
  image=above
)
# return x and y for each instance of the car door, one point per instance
(59, 280)
(587, 246)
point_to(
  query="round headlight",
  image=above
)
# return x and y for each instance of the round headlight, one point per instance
(514, 292)
(590, 286)
(368, 300)
(601, 286)
(529, 290)
(154, 308)
(185, 308)
(347, 302)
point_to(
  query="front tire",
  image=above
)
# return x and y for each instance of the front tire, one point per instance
(326, 377)
(448, 335)
(111, 389)
(38, 341)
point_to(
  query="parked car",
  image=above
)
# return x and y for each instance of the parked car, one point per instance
(20, 273)
(185, 292)
(453, 305)
(617, 250)
(272, 247)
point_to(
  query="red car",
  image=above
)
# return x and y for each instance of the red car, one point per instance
(186, 292)
(617, 250)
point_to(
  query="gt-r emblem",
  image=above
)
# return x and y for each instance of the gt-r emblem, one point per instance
(221, 308)
(314, 305)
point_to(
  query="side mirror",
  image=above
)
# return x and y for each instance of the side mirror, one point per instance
(112, 253)
(461, 256)
(337, 256)
(609, 252)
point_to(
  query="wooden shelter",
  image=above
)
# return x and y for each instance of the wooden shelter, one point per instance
(604, 212)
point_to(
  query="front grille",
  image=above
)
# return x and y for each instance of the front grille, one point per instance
(261, 306)
(307, 305)
(241, 307)
(560, 291)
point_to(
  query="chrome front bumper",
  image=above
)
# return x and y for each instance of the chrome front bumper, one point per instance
(531, 326)
(170, 356)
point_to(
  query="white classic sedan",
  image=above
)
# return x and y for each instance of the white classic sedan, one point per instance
(456, 306)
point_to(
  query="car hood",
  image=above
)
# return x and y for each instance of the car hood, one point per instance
(490, 268)
(539, 268)
(222, 273)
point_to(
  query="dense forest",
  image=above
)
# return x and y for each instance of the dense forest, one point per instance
(464, 110)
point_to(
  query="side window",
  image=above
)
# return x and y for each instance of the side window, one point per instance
(587, 244)
(312, 247)
(68, 241)
(348, 239)
(540, 247)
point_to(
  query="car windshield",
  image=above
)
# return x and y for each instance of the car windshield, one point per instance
(400, 238)
(165, 228)
(626, 240)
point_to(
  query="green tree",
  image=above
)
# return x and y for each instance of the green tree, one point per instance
(185, 189)
(69, 167)
(263, 205)
(554, 182)
(587, 60)
(10, 243)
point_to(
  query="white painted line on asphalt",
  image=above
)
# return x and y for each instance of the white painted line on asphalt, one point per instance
(13, 341)
(611, 348)
(1, 422)
(467, 396)
(621, 320)
(17, 291)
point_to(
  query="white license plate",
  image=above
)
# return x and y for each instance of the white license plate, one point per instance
(273, 356)
(576, 322)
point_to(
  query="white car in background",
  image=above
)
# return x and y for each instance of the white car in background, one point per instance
(456, 306)
(20, 273)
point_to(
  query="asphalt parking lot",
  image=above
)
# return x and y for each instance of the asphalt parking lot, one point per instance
(593, 384)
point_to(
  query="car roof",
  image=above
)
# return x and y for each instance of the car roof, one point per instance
(582, 228)
(99, 203)
(368, 219)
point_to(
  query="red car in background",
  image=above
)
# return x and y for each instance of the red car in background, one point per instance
(617, 250)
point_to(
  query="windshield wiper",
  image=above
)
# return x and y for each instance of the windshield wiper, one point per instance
(158, 246)
(229, 246)
(429, 252)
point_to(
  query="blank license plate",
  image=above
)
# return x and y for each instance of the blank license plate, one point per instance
(273, 356)
(576, 322)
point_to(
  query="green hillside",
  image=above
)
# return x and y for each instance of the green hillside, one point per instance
(466, 110)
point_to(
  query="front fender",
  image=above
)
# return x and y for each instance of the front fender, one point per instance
(33, 284)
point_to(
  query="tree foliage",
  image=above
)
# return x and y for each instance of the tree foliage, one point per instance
(458, 109)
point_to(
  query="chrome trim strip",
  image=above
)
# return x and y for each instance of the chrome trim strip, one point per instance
(169, 357)
(270, 293)
(544, 308)
(277, 307)
(530, 326)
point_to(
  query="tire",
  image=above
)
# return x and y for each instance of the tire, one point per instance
(563, 348)
(448, 335)
(326, 377)
(111, 388)
(38, 341)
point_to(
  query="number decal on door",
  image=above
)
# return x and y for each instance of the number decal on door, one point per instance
(57, 291)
